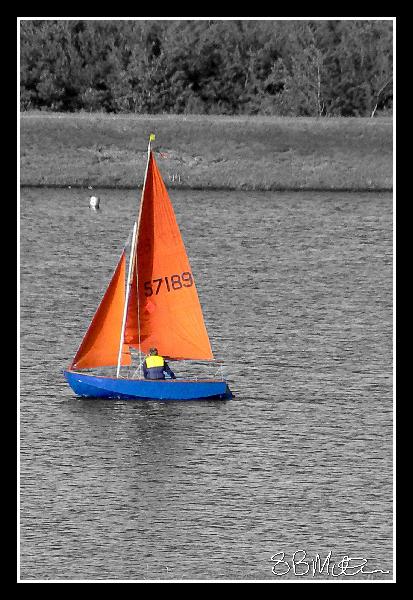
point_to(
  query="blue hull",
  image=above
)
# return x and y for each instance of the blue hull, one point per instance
(91, 386)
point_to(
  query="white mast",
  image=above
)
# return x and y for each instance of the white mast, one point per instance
(131, 266)
(125, 308)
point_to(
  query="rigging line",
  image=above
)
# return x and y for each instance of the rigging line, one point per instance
(125, 308)
(137, 270)
(131, 267)
(128, 241)
(139, 325)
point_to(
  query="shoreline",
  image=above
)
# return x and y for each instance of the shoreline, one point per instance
(348, 190)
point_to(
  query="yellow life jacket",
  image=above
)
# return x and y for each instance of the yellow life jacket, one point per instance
(154, 361)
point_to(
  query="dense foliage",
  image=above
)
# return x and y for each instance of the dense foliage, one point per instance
(208, 67)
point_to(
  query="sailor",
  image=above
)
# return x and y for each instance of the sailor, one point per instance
(155, 366)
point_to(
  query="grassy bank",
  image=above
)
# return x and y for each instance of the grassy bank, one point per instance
(251, 153)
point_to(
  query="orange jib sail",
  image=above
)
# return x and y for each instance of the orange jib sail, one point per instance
(100, 346)
(163, 306)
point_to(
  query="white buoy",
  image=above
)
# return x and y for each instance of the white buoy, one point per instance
(94, 202)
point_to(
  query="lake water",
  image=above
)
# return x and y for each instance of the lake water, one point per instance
(297, 296)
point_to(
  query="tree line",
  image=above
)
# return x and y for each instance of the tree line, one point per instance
(269, 67)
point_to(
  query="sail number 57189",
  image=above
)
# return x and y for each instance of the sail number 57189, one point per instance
(171, 283)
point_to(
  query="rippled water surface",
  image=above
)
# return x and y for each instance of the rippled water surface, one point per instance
(297, 296)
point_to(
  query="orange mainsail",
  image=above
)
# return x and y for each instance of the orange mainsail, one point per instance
(163, 308)
(100, 346)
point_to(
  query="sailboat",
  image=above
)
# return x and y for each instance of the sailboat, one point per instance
(155, 305)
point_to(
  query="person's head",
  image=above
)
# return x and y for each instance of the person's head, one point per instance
(153, 351)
